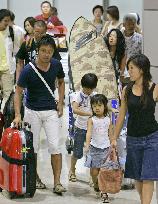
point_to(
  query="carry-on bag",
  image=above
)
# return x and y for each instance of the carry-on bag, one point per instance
(17, 162)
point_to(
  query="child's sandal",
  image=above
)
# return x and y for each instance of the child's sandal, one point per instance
(105, 198)
(72, 177)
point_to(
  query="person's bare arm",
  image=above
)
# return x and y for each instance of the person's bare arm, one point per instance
(17, 105)
(156, 93)
(111, 137)
(19, 67)
(121, 116)
(123, 65)
(78, 111)
(89, 133)
(105, 28)
(61, 93)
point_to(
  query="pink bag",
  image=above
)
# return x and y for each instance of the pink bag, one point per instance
(110, 179)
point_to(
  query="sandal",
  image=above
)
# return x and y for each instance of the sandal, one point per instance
(39, 184)
(96, 187)
(105, 198)
(72, 177)
(59, 189)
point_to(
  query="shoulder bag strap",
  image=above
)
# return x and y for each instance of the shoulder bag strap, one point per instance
(42, 79)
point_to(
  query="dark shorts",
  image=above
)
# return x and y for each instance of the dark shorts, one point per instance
(142, 157)
(79, 139)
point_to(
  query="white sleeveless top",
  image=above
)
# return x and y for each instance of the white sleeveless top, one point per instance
(100, 132)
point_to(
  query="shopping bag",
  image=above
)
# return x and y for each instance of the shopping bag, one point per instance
(110, 175)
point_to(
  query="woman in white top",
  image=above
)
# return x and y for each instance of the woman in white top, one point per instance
(97, 21)
(112, 20)
(98, 137)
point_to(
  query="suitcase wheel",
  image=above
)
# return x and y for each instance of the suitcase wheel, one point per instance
(1, 189)
(12, 195)
(69, 151)
(29, 195)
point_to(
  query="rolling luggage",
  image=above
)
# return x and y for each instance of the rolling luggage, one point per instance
(1, 120)
(17, 162)
(1, 124)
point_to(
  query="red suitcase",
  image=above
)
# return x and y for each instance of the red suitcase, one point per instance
(1, 124)
(17, 163)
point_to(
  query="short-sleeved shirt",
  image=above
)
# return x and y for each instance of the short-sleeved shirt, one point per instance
(84, 103)
(38, 97)
(133, 44)
(28, 52)
(53, 19)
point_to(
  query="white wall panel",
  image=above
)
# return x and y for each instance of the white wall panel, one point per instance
(70, 10)
(25, 8)
(3, 4)
(150, 31)
(128, 6)
(151, 4)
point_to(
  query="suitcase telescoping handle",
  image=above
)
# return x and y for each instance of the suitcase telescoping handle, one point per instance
(13, 126)
(20, 127)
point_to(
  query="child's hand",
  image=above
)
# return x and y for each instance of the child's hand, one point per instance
(90, 114)
(113, 156)
(114, 143)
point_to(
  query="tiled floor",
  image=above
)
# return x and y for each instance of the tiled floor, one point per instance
(77, 193)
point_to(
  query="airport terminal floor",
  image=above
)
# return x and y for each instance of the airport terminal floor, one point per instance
(79, 192)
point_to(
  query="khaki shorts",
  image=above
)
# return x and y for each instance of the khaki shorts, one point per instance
(50, 122)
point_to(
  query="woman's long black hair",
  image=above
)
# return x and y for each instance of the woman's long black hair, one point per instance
(143, 63)
(120, 45)
(31, 20)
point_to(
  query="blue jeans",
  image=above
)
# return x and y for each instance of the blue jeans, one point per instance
(142, 157)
